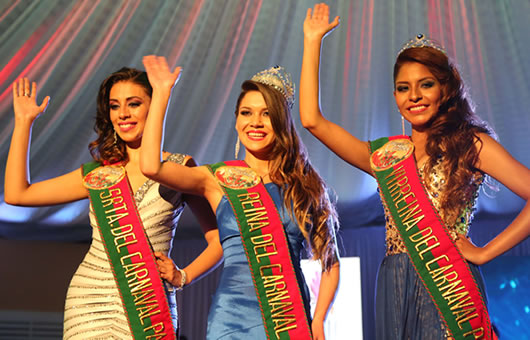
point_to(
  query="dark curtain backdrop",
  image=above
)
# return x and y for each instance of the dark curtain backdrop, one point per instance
(70, 46)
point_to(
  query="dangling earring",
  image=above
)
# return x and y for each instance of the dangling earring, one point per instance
(115, 138)
(402, 126)
(238, 145)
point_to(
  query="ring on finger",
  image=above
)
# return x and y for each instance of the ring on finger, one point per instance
(26, 94)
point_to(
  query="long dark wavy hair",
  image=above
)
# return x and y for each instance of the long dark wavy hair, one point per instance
(453, 132)
(304, 192)
(104, 149)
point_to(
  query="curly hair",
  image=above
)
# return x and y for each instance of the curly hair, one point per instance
(107, 148)
(304, 192)
(453, 132)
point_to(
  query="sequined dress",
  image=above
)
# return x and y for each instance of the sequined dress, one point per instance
(93, 308)
(404, 308)
(235, 312)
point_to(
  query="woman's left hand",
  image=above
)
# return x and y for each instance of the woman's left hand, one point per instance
(471, 252)
(158, 72)
(317, 24)
(317, 328)
(168, 270)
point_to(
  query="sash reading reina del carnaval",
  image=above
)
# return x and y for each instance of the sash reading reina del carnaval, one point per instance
(437, 260)
(267, 251)
(129, 251)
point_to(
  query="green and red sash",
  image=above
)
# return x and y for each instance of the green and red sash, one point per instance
(437, 260)
(129, 252)
(267, 251)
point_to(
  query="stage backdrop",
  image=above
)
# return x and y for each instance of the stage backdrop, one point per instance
(70, 46)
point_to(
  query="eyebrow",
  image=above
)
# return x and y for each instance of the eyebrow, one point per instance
(420, 80)
(250, 108)
(128, 98)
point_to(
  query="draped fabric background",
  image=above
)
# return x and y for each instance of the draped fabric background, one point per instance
(69, 46)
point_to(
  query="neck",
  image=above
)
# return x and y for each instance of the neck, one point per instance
(419, 135)
(260, 165)
(419, 139)
(133, 153)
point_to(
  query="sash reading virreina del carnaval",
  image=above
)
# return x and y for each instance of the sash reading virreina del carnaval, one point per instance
(437, 260)
(129, 251)
(267, 251)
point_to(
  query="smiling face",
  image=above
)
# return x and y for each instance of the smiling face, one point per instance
(129, 105)
(253, 124)
(418, 94)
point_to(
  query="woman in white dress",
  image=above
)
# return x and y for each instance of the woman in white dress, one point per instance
(94, 308)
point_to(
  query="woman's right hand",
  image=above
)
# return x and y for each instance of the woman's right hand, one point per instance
(470, 251)
(316, 23)
(18, 189)
(25, 101)
(159, 73)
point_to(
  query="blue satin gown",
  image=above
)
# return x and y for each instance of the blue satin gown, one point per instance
(235, 312)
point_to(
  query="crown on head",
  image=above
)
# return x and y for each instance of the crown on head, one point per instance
(421, 41)
(279, 79)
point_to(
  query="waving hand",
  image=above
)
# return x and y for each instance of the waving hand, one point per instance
(316, 23)
(25, 100)
(159, 74)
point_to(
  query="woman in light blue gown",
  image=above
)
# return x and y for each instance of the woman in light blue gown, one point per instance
(274, 156)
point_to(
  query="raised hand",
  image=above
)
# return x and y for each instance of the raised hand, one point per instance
(25, 100)
(316, 23)
(159, 74)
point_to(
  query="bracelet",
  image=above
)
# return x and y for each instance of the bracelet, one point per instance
(183, 277)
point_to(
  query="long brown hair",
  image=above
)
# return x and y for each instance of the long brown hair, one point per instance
(105, 148)
(452, 132)
(304, 192)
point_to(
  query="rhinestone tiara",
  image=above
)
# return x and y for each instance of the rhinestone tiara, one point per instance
(421, 41)
(279, 79)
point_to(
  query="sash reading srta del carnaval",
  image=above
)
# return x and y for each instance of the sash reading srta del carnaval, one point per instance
(129, 252)
(267, 251)
(437, 260)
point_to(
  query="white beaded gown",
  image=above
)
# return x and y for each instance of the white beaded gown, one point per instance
(93, 308)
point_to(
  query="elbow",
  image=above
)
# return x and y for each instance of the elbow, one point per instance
(149, 169)
(308, 125)
(12, 199)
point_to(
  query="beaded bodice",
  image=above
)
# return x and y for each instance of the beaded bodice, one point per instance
(93, 307)
(394, 244)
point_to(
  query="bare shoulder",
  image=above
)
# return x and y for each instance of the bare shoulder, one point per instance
(212, 190)
(482, 138)
(497, 162)
(488, 148)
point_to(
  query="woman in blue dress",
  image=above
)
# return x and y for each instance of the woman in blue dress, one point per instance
(452, 152)
(275, 157)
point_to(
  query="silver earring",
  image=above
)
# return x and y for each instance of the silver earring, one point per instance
(115, 138)
(402, 126)
(238, 145)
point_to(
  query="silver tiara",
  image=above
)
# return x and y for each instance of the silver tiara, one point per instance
(421, 41)
(279, 79)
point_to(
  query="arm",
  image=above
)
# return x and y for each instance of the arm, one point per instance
(210, 257)
(326, 294)
(337, 139)
(498, 163)
(189, 179)
(192, 180)
(17, 187)
(207, 260)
